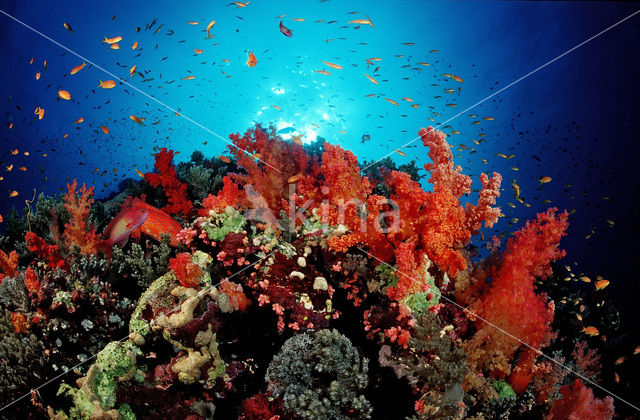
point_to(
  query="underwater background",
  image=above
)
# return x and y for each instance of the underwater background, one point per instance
(443, 64)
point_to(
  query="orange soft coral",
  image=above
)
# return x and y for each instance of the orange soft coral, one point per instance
(8, 264)
(230, 195)
(78, 232)
(187, 272)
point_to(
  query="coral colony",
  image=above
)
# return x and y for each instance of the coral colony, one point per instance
(285, 282)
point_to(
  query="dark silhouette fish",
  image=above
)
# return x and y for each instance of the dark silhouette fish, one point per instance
(286, 31)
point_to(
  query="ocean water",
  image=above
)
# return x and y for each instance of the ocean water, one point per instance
(545, 89)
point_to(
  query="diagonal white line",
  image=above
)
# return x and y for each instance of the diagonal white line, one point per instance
(414, 280)
(204, 291)
(136, 89)
(510, 84)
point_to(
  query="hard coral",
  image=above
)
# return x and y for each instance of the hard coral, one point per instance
(175, 191)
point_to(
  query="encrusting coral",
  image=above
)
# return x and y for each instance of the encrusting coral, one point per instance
(313, 291)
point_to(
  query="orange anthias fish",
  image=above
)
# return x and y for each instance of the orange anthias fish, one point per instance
(252, 60)
(158, 223)
(121, 227)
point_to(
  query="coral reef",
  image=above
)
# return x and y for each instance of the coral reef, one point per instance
(311, 291)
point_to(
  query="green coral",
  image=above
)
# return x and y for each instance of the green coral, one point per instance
(158, 293)
(114, 363)
(419, 302)
(320, 377)
(504, 389)
(221, 224)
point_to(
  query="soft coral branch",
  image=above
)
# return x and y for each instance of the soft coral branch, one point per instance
(8, 264)
(78, 231)
(166, 178)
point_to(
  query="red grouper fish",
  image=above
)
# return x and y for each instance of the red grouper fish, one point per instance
(157, 223)
(121, 227)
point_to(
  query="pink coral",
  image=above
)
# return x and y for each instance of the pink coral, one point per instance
(578, 403)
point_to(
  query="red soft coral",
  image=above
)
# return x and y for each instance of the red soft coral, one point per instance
(78, 231)
(8, 264)
(187, 272)
(237, 298)
(230, 195)
(31, 280)
(512, 304)
(166, 178)
(443, 171)
(48, 253)
(578, 403)
(269, 163)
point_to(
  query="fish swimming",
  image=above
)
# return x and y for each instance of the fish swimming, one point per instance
(157, 223)
(285, 31)
(121, 227)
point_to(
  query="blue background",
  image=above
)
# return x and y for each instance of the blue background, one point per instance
(578, 115)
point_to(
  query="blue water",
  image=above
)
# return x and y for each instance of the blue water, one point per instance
(577, 115)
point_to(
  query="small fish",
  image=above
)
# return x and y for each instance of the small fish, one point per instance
(456, 78)
(23, 168)
(285, 31)
(79, 120)
(135, 45)
(371, 95)
(104, 129)
(424, 64)
(592, 331)
(9, 168)
(636, 350)
(137, 119)
(77, 68)
(326, 73)
(14, 152)
(113, 40)
(107, 84)
(193, 22)
(295, 178)
(277, 107)
(416, 106)
(297, 139)
(115, 46)
(209, 26)
(366, 21)
(400, 152)
(332, 65)
(407, 99)
(197, 51)
(545, 180)
(391, 101)
(63, 94)
(13, 194)
(238, 4)
(434, 51)
(140, 174)
(621, 360)
(251, 60)
(488, 118)
(601, 284)
(449, 91)
(410, 44)
(298, 19)
(371, 79)
(224, 158)
(38, 76)
(189, 77)
(67, 27)
(132, 71)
